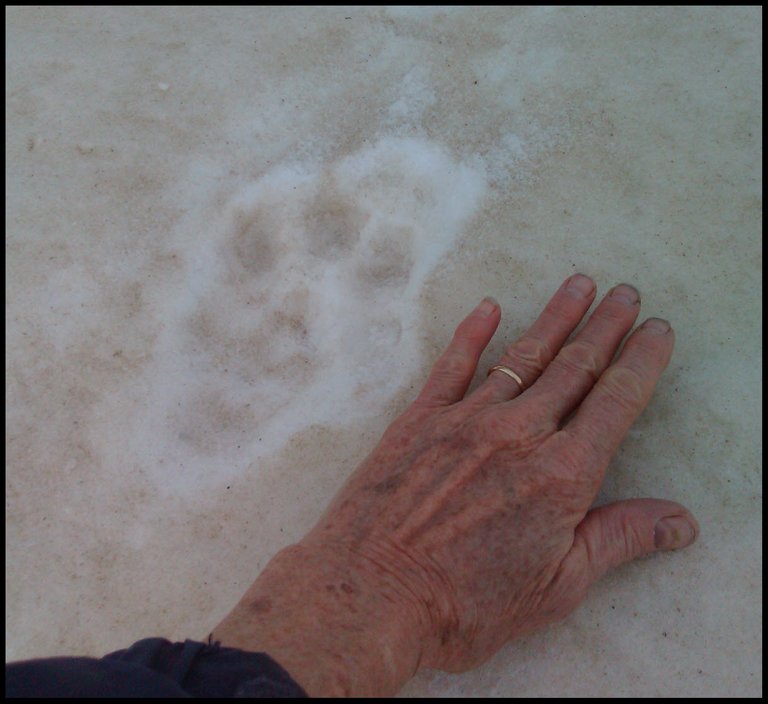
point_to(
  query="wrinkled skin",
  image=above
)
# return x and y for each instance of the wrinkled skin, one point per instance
(470, 524)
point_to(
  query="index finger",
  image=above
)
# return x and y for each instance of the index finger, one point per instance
(622, 392)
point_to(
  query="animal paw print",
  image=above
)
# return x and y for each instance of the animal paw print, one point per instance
(319, 273)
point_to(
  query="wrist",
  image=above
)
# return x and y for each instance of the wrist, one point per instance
(336, 627)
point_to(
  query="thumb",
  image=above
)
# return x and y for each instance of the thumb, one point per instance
(611, 535)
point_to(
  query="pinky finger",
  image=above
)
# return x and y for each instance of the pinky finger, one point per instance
(452, 373)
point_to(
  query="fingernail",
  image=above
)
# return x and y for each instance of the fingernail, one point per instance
(657, 325)
(487, 307)
(580, 286)
(673, 532)
(625, 293)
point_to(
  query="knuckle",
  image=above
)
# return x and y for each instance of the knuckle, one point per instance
(466, 331)
(624, 385)
(621, 537)
(632, 538)
(572, 459)
(531, 352)
(508, 432)
(615, 312)
(408, 423)
(652, 345)
(452, 365)
(580, 452)
(580, 356)
(496, 429)
(571, 466)
(573, 478)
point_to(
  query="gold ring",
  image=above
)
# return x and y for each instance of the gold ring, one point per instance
(508, 372)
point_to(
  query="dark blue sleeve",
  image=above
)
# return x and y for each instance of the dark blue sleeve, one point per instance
(154, 667)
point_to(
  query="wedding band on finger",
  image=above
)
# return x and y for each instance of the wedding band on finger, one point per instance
(508, 372)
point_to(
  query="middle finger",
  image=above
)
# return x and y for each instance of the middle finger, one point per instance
(579, 364)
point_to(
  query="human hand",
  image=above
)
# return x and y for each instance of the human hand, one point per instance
(470, 523)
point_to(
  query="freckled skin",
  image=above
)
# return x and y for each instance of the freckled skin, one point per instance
(469, 524)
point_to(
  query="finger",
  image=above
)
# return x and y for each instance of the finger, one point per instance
(623, 531)
(529, 355)
(622, 392)
(579, 364)
(453, 371)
